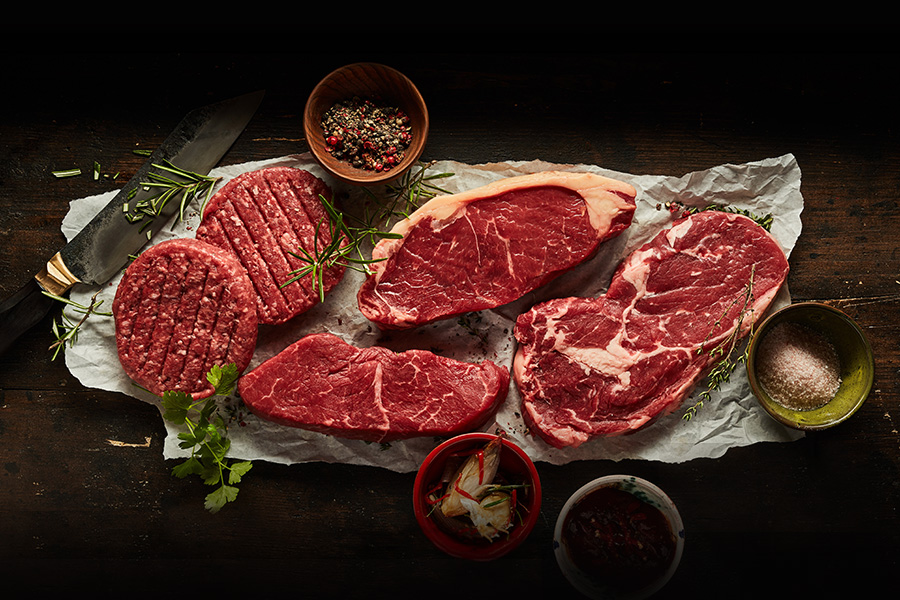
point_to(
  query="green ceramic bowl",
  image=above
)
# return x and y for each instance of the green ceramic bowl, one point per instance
(854, 352)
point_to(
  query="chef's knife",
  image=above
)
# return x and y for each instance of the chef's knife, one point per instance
(105, 244)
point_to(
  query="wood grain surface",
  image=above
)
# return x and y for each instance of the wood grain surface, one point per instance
(88, 503)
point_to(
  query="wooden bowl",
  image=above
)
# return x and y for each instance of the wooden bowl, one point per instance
(380, 84)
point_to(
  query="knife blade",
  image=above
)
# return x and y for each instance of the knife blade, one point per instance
(105, 244)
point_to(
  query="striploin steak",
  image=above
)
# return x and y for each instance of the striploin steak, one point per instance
(588, 367)
(181, 307)
(489, 246)
(321, 383)
(263, 218)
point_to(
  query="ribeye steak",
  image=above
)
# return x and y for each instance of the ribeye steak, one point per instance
(321, 383)
(600, 366)
(489, 246)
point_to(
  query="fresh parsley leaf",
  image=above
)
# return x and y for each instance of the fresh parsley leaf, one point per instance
(217, 499)
(205, 435)
(191, 466)
(238, 470)
(223, 378)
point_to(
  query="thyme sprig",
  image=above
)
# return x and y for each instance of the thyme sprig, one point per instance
(764, 221)
(723, 369)
(66, 330)
(206, 436)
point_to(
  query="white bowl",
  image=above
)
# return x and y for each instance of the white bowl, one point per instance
(594, 587)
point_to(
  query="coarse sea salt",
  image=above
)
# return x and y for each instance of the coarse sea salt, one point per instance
(798, 367)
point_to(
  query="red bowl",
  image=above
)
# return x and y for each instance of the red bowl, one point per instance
(513, 462)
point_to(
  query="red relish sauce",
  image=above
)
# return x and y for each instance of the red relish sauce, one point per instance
(618, 540)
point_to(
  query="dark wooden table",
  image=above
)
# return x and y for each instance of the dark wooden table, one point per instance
(80, 512)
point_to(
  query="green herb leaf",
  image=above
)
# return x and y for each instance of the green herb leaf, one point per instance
(238, 470)
(217, 499)
(223, 379)
(177, 405)
(205, 435)
(191, 466)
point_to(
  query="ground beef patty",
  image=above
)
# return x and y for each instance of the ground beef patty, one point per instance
(263, 217)
(183, 306)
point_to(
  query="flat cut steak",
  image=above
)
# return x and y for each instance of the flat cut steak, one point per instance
(489, 246)
(181, 307)
(321, 383)
(588, 367)
(262, 217)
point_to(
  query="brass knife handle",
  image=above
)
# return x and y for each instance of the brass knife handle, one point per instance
(55, 277)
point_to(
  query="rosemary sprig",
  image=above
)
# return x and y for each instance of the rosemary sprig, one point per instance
(66, 330)
(186, 184)
(344, 244)
(722, 370)
(342, 248)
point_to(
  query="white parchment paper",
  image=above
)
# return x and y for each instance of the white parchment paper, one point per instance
(731, 419)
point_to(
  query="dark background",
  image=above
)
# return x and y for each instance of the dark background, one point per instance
(819, 514)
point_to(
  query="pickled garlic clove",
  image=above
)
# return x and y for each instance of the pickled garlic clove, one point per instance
(491, 516)
(473, 479)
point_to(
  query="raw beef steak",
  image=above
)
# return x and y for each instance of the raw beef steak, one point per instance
(181, 307)
(262, 217)
(491, 245)
(607, 365)
(321, 383)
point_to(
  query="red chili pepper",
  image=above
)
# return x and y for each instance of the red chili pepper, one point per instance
(461, 491)
(480, 467)
(430, 492)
